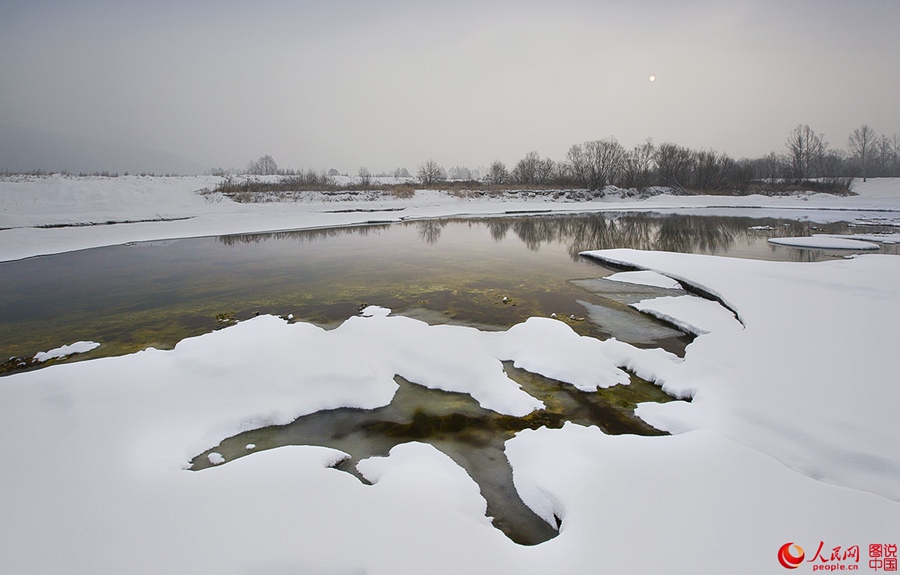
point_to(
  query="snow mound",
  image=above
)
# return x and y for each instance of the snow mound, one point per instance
(418, 468)
(646, 278)
(808, 379)
(692, 314)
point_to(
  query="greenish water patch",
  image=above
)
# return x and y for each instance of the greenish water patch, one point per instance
(157, 293)
(458, 426)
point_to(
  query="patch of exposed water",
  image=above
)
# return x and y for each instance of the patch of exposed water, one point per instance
(155, 294)
(455, 424)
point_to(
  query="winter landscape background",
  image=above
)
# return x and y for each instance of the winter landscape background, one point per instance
(773, 441)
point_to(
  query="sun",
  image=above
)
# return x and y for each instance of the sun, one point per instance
(653, 78)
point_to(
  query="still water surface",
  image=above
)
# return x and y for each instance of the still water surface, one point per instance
(157, 293)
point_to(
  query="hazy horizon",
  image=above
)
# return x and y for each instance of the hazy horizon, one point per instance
(391, 84)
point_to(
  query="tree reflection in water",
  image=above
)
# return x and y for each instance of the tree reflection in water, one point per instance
(430, 230)
(643, 231)
(581, 232)
(467, 270)
(302, 235)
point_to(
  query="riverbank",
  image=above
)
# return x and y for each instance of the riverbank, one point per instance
(54, 214)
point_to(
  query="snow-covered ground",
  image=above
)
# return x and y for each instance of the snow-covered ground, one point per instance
(791, 436)
(94, 210)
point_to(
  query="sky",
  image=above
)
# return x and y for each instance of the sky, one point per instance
(345, 84)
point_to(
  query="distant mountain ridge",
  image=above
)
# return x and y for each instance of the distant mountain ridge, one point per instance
(27, 149)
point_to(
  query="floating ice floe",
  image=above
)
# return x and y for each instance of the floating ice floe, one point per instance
(823, 242)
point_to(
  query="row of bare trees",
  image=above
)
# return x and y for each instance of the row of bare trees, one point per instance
(807, 160)
(874, 154)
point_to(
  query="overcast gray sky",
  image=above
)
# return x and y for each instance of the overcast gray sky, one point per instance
(385, 84)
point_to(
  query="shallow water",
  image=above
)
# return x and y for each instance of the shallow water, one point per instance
(458, 426)
(459, 270)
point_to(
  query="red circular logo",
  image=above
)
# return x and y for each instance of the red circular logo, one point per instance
(788, 560)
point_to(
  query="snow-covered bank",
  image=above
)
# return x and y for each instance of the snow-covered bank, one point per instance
(92, 455)
(807, 376)
(93, 212)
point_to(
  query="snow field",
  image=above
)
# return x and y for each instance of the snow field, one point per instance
(791, 433)
(165, 208)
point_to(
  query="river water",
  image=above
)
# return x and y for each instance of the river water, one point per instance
(157, 293)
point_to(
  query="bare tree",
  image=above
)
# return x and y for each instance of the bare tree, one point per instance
(497, 173)
(862, 143)
(895, 154)
(637, 166)
(674, 165)
(883, 152)
(546, 171)
(712, 171)
(430, 173)
(596, 164)
(605, 158)
(742, 175)
(533, 170)
(834, 176)
(264, 166)
(577, 167)
(805, 152)
(459, 173)
(365, 176)
(771, 167)
(526, 169)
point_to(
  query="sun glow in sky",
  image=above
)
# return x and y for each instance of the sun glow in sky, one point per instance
(391, 84)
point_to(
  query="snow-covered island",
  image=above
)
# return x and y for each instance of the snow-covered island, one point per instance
(790, 438)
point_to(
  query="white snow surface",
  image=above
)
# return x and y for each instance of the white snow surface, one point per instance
(93, 464)
(646, 278)
(692, 314)
(825, 242)
(877, 238)
(63, 351)
(791, 435)
(810, 376)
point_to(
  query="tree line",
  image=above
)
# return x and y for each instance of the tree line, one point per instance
(807, 162)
